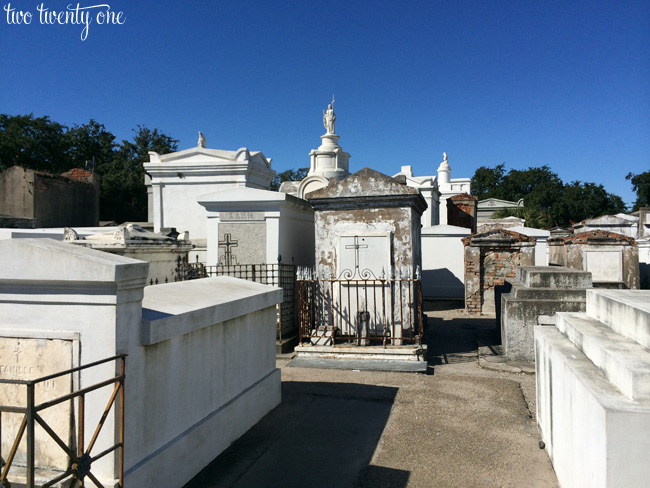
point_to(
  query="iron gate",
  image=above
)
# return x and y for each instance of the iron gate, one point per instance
(360, 308)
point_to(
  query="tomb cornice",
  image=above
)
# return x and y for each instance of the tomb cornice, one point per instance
(70, 292)
(416, 202)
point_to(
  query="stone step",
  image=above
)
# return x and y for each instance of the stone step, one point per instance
(594, 435)
(626, 312)
(553, 277)
(624, 363)
(518, 290)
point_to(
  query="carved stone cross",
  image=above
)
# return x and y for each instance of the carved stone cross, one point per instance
(356, 246)
(227, 244)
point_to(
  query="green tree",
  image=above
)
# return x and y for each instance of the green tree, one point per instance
(580, 201)
(547, 200)
(33, 142)
(90, 142)
(288, 175)
(641, 186)
(124, 195)
(486, 182)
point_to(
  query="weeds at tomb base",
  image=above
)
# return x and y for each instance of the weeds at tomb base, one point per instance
(19, 464)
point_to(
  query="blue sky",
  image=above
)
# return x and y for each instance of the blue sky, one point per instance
(526, 83)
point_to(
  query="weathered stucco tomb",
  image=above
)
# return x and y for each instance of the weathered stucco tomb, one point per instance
(593, 391)
(377, 207)
(490, 258)
(177, 179)
(69, 199)
(251, 226)
(132, 241)
(364, 289)
(612, 259)
(200, 369)
(531, 299)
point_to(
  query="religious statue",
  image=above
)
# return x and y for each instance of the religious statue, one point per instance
(329, 117)
(444, 157)
(201, 139)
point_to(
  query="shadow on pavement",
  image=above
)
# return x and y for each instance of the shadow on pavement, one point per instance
(453, 337)
(321, 435)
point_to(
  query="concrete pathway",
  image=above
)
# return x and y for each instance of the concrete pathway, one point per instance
(458, 426)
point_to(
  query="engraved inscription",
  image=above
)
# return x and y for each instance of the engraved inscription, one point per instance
(241, 216)
(30, 359)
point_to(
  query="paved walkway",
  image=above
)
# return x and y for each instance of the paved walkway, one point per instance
(458, 426)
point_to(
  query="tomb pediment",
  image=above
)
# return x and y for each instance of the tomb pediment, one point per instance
(495, 235)
(366, 182)
(205, 155)
(600, 236)
(497, 203)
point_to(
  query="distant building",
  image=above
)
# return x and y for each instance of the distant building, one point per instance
(492, 205)
(67, 200)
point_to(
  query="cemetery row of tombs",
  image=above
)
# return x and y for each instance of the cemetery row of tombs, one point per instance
(350, 258)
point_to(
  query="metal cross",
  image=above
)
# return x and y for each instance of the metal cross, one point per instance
(227, 244)
(356, 246)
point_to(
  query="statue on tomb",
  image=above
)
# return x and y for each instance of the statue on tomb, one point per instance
(329, 117)
(201, 139)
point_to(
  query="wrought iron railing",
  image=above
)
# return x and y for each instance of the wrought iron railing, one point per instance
(81, 457)
(358, 308)
(281, 275)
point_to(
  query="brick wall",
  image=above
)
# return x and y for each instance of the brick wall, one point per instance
(461, 211)
(490, 258)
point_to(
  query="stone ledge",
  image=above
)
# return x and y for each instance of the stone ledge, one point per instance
(176, 309)
(360, 364)
(413, 353)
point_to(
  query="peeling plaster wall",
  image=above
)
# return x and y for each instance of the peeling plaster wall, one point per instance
(612, 258)
(331, 225)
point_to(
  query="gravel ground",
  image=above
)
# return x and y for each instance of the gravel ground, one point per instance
(458, 426)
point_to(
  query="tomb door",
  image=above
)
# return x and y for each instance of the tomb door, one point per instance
(363, 295)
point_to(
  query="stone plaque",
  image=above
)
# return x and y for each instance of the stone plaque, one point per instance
(604, 265)
(242, 243)
(241, 216)
(29, 359)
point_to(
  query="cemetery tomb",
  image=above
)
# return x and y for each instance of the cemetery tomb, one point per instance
(66, 305)
(162, 252)
(593, 391)
(252, 226)
(365, 287)
(178, 179)
(490, 258)
(531, 299)
(613, 259)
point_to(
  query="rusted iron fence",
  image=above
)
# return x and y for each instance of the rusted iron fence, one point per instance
(79, 453)
(281, 275)
(358, 308)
